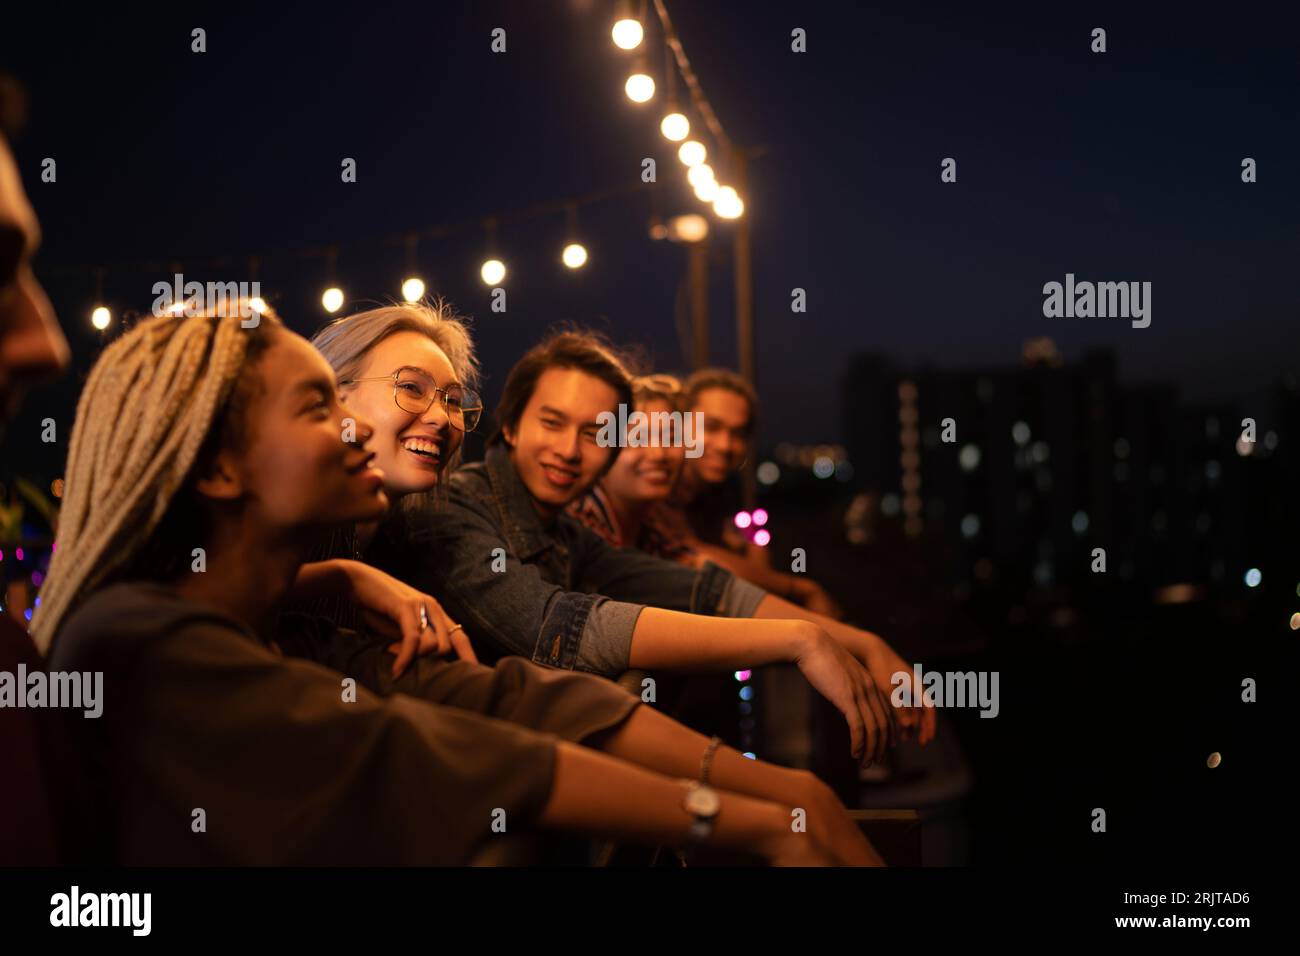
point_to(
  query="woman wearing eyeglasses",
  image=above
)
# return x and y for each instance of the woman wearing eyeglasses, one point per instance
(213, 749)
(409, 372)
(512, 571)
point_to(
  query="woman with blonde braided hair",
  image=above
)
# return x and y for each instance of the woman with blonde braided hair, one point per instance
(145, 408)
(212, 747)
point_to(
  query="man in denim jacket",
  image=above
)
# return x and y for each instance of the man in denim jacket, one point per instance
(526, 579)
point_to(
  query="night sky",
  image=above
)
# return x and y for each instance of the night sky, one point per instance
(1117, 166)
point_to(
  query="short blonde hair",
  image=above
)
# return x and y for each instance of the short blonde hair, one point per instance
(346, 341)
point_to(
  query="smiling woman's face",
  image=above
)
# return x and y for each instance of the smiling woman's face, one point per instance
(644, 474)
(411, 449)
(296, 470)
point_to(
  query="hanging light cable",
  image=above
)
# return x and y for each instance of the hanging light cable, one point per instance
(627, 32)
(332, 298)
(100, 316)
(575, 253)
(493, 270)
(412, 285)
(675, 126)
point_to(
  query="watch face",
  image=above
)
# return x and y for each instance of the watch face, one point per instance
(703, 801)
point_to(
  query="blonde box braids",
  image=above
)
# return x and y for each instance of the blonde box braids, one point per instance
(148, 405)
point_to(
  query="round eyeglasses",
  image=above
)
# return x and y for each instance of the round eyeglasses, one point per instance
(415, 392)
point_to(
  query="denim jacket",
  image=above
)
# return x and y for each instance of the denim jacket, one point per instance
(565, 597)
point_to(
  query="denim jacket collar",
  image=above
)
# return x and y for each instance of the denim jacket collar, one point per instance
(524, 529)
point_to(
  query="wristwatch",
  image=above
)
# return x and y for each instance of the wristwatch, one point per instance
(702, 802)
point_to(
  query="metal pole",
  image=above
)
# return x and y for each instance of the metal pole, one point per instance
(698, 271)
(744, 279)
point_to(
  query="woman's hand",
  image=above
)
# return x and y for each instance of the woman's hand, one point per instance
(919, 718)
(819, 844)
(829, 821)
(840, 677)
(416, 621)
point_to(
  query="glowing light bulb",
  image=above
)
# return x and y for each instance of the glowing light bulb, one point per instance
(707, 191)
(692, 152)
(688, 228)
(493, 271)
(332, 299)
(743, 519)
(703, 173)
(574, 255)
(627, 34)
(100, 318)
(675, 127)
(413, 289)
(728, 204)
(640, 87)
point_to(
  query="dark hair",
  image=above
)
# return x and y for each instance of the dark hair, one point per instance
(578, 349)
(707, 378)
(13, 106)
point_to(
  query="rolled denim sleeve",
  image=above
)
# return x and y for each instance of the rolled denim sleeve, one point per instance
(606, 645)
(514, 611)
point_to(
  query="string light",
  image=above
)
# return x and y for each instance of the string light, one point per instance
(627, 32)
(330, 279)
(692, 152)
(332, 299)
(688, 228)
(574, 255)
(412, 285)
(100, 317)
(728, 204)
(640, 87)
(698, 175)
(707, 191)
(412, 289)
(675, 127)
